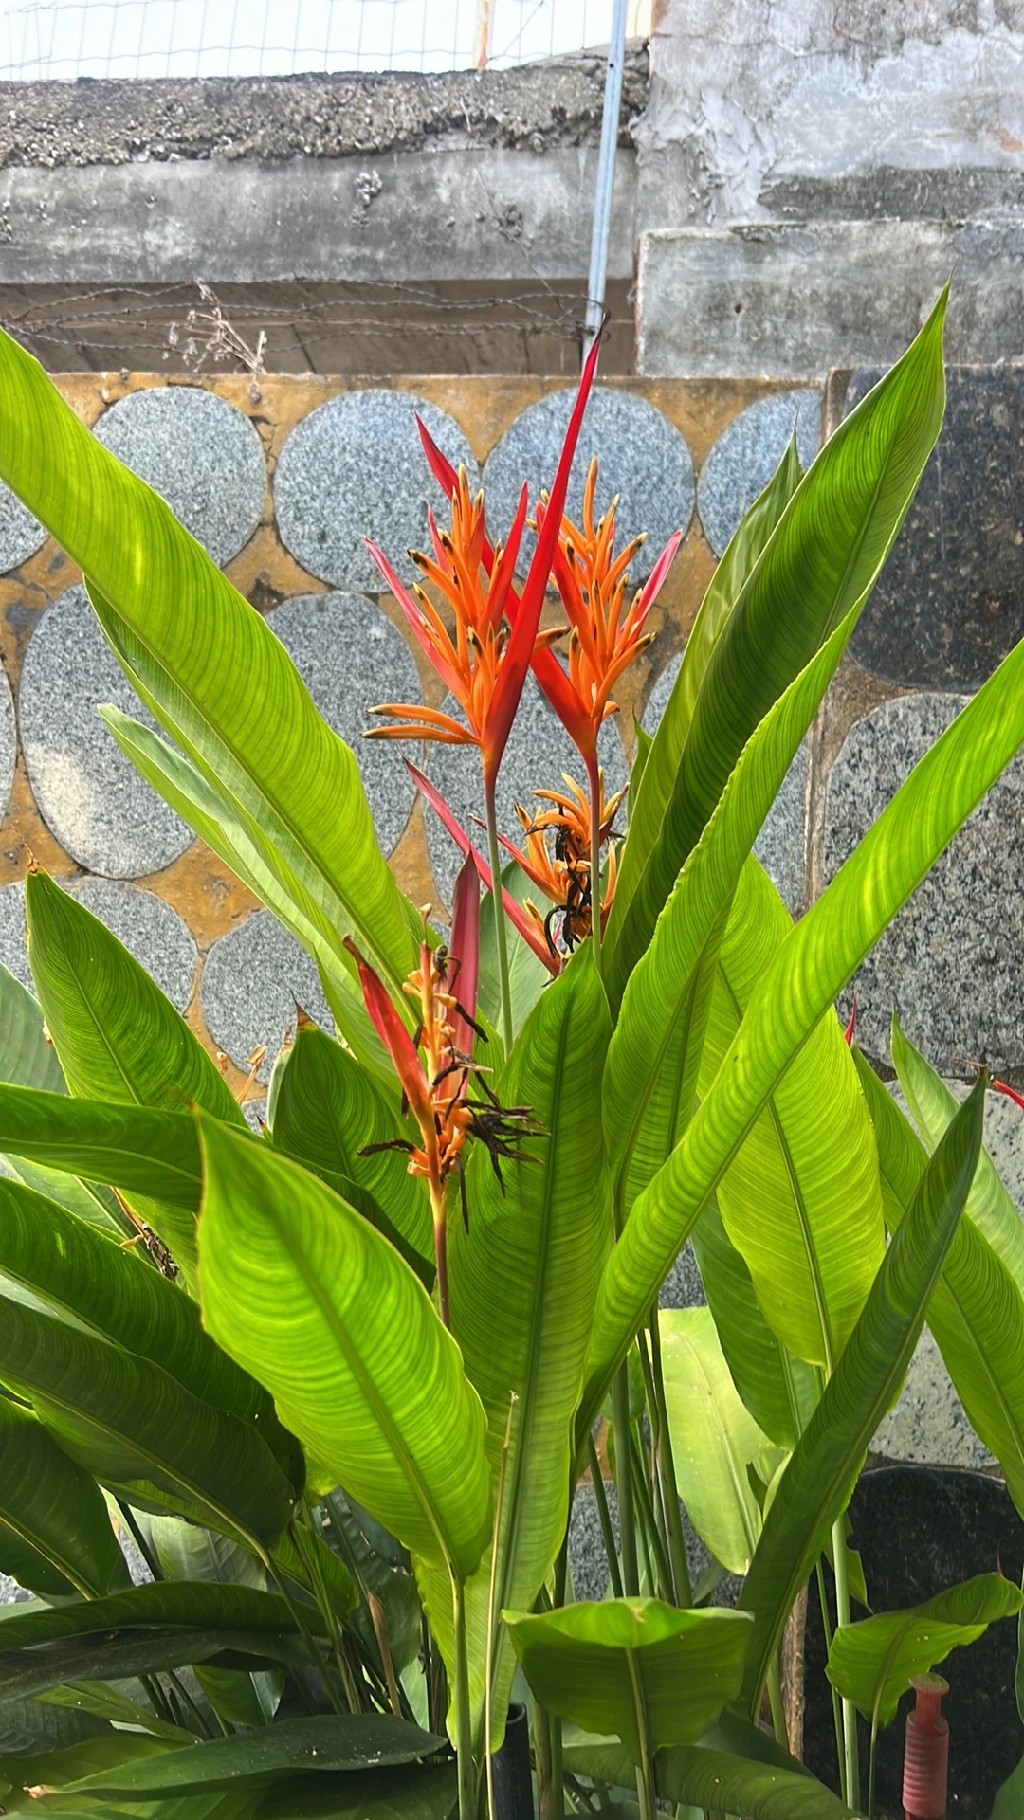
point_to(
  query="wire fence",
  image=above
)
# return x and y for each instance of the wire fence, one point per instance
(62, 40)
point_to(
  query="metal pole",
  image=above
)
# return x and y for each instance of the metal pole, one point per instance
(605, 177)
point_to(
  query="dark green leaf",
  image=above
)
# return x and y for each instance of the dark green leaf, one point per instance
(708, 1779)
(55, 1534)
(26, 1058)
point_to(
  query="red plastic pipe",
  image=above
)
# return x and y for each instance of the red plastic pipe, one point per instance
(926, 1752)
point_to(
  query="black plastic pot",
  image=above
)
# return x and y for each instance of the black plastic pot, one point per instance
(513, 1781)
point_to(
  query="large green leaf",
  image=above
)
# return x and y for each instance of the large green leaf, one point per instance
(138, 1431)
(89, 1757)
(976, 1312)
(1009, 1801)
(216, 820)
(326, 1112)
(26, 1057)
(301, 1288)
(94, 1703)
(647, 1674)
(322, 1746)
(816, 1485)
(871, 1663)
(109, 1289)
(807, 974)
(423, 1791)
(523, 1279)
(693, 1775)
(779, 1391)
(55, 1534)
(118, 1038)
(714, 1440)
(34, 1725)
(816, 569)
(802, 1199)
(932, 1106)
(141, 1151)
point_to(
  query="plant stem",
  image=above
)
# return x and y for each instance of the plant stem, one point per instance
(604, 1517)
(624, 1479)
(667, 1474)
(840, 1568)
(659, 1571)
(594, 780)
(872, 1750)
(837, 1717)
(463, 1714)
(501, 941)
(646, 1798)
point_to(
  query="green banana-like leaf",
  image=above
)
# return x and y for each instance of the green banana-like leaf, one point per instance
(299, 1286)
(527, 976)
(326, 1112)
(714, 1440)
(817, 569)
(26, 1058)
(109, 1289)
(99, 1707)
(1009, 1800)
(871, 1663)
(695, 1776)
(523, 1278)
(779, 1390)
(816, 1485)
(219, 680)
(806, 976)
(55, 1534)
(215, 819)
(90, 1757)
(139, 1432)
(650, 794)
(932, 1105)
(635, 1668)
(802, 1200)
(28, 1726)
(977, 1311)
(144, 1152)
(317, 1747)
(146, 1628)
(118, 1038)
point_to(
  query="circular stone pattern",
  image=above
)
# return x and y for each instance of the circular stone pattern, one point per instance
(251, 982)
(642, 457)
(354, 468)
(949, 965)
(142, 923)
(538, 752)
(92, 798)
(8, 742)
(350, 658)
(781, 844)
(200, 454)
(21, 535)
(746, 456)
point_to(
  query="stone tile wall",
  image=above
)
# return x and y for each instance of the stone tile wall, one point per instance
(283, 478)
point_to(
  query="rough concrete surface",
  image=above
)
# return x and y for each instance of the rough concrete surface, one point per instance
(557, 102)
(747, 454)
(795, 301)
(251, 983)
(8, 742)
(21, 535)
(150, 930)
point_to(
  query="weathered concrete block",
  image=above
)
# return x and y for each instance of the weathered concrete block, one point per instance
(949, 604)
(93, 799)
(747, 454)
(949, 964)
(354, 468)
(350, 657)
(253, 979)
(642, 458)
(792, 301)
(8, 742)
(150, 930)
(200, 454)
(21, 535)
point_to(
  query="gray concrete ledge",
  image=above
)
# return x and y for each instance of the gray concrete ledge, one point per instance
(538, 106)
(791, 301)
(477, 212)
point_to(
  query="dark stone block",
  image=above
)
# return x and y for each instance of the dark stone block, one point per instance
(921, 1529)
(950, 603)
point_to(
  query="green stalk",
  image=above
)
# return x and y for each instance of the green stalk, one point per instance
(667, 1473)
(463, 1713)
(645, 1793)
(659, 1572)
(872, 1751)
(501, 941)
(840, 1568)
(624, 1479)
(604, 1517)
(837, 1717)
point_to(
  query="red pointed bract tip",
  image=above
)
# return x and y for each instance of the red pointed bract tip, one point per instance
(851, 1023)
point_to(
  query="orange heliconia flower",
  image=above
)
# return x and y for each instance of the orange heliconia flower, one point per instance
(565, 879)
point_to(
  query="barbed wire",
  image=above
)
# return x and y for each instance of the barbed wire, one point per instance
(66, 39)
